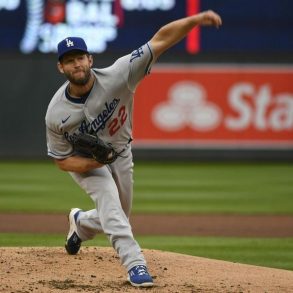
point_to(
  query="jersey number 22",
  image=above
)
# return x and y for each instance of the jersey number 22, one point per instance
(117, 122)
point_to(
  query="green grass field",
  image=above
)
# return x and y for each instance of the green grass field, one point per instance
(36, 187)
(276, 253)
(158, 188)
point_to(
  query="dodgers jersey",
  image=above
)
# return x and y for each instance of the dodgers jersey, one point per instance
(106, 111)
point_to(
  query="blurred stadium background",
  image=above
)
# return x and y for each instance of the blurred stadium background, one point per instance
(218, 95)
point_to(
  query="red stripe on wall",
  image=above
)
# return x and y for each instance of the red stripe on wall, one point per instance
(118, 11)
(193, 38)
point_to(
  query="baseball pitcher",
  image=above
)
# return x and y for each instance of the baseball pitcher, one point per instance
(89, 134)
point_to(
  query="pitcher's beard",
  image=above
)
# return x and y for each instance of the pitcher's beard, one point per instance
(80, 81)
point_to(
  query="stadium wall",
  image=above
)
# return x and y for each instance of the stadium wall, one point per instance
(256, 97)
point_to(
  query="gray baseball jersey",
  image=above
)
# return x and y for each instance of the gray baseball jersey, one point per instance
(107, 111)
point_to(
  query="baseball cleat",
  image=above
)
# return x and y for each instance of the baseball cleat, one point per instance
(73, 242)
(139, 276)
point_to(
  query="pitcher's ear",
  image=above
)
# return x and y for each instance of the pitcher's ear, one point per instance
(60, 67)
(91, 59)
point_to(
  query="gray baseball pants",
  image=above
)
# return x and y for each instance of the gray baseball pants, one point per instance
(111, 189)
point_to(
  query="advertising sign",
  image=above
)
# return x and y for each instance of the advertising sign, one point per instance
(243, 106)
(30, 26)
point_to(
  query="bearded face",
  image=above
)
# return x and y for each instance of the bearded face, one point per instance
(79, 77)
(76, 66)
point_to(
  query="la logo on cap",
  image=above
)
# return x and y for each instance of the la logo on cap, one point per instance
(69, 43)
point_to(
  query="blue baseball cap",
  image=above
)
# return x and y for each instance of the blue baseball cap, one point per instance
(71, 43)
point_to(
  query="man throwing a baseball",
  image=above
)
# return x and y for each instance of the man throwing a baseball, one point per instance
(89, 133)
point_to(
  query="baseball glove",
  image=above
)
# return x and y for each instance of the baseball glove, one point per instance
(90, 144)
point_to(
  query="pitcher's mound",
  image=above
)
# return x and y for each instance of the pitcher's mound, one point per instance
(46, 270)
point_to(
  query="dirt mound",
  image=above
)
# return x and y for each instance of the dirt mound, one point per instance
(46, 270)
